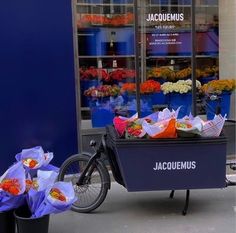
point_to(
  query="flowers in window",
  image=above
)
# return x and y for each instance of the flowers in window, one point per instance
(103, 91)
(97, 19)
(150, 86)
(93, 73)
(218, 86)
(121, 74)
(146, 87)
(182, 86)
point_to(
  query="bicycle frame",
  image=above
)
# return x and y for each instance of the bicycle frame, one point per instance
(92, 162)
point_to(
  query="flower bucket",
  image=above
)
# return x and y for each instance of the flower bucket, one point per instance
(176, 100)
(7, 222)
(25, 224)
(145, 102)
(102, 113)
(158, 98)
(223, 103)
(85, 85)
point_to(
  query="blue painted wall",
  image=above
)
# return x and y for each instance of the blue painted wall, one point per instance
(37, 85)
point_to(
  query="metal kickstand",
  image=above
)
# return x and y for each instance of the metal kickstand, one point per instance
(184, 212)
(172, 194)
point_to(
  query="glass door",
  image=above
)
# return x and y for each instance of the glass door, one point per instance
(107, 52)
(106, 59)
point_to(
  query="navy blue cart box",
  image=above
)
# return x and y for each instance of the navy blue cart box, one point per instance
(169, 164)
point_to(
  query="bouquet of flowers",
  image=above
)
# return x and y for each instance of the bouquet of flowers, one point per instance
(184, 73)
(93, 73)
(12, 187)
(103, 91)
(161, 129)
(147, 87)
(218, 86)
(164, 124)
(134, 129)
(117, 20)
(182, 86)
(121, 74)
(43, 196)
(57, 197)
(189, 126)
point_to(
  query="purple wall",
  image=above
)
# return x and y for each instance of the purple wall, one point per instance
(37, 85)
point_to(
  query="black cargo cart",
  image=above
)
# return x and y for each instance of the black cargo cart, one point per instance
(146, 165)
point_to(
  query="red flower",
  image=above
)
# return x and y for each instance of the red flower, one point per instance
(102, 91)
(94, 73)
(57, 194)
(11, 186)
(147, 87)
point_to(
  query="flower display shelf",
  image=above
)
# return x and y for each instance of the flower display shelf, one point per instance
(169, 164)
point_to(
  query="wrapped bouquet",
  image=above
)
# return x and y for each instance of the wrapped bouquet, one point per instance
(164, 124)
(43, 196)
(12, 187)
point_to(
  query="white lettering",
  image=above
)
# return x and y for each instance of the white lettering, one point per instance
(175, 165)
(178, 165)
(165, 17)
(194, 165)
(164, 165)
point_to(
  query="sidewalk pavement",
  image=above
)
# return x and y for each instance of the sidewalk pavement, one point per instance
(210, 211)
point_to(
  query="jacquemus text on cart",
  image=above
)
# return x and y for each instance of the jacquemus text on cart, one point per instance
(175, 165)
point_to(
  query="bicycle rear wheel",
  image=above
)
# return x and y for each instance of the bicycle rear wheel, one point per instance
(94, 189)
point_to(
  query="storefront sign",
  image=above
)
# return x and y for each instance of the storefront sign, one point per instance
(165, 17)
(170, 34)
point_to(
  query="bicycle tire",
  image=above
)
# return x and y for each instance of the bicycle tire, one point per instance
(85, 202)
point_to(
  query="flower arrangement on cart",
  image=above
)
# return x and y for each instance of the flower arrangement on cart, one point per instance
(29, 191)
(167, 124)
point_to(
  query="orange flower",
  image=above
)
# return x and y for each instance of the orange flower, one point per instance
(11, 186)
(128, 87)
(57, 194)
(183, 125)
(150, 86)
(217, 86)
(29, 162)
(146, 87)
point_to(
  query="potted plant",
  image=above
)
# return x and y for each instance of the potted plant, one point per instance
(218, 95)
(29, 187)
(102, 100)
(179, 95)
